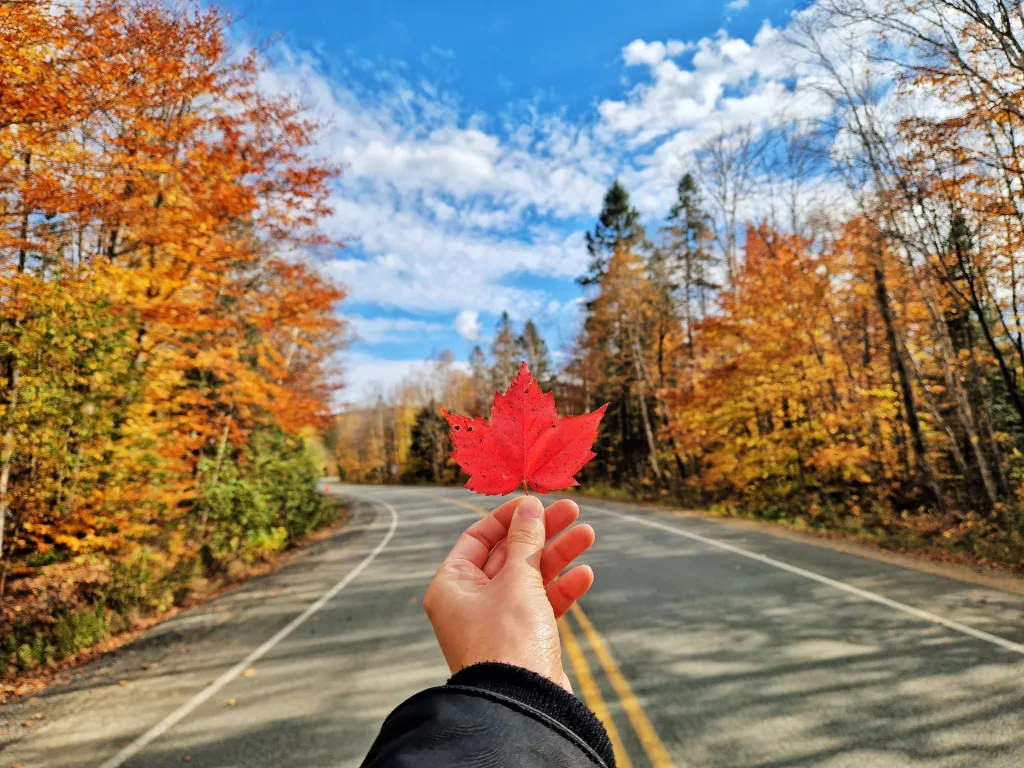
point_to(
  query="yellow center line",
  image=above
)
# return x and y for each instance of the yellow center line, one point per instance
(652, 744)
(591, 692)
(467, 505)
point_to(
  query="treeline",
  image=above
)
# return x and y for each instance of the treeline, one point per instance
(402, 436)
(827, 326)
(162, 347)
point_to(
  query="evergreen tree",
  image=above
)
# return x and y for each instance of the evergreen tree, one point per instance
(429, 446)
(480, 382)
(687, 261)
(505, 353)
(535, 352)
(618, 225)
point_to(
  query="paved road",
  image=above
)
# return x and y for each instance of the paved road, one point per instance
(701, 644)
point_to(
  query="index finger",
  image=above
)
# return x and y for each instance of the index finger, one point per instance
(477, 541)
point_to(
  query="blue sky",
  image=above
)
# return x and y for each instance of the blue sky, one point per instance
(478, 139)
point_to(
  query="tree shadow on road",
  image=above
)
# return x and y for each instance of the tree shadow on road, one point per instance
(741, 664)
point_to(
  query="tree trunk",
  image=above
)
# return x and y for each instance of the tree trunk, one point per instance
(644, 414)
(1008, 376)
(13, 379)
(940, 421)
(964, 408)
(8, 451)
(898, 356)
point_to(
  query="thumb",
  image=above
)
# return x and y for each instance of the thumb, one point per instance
(526, 532)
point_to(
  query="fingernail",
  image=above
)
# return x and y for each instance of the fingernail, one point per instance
(529, 507)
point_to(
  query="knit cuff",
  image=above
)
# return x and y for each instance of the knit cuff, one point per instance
(541, 694)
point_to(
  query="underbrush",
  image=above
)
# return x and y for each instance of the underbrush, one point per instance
(248, 509)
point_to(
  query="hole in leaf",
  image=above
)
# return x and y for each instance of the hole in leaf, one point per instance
(457, 427)
(469, 428)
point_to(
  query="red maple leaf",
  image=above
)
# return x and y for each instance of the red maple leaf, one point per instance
(525, 443)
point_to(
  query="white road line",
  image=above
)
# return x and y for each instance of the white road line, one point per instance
(864, 594)
(189, 706)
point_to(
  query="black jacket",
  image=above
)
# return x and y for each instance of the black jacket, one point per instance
(492, 715)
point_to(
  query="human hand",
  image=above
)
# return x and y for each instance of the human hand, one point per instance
(497, 594)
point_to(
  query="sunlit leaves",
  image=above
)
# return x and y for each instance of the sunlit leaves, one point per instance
(156, 210)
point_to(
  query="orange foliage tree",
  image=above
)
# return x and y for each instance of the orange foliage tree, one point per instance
(159, 310)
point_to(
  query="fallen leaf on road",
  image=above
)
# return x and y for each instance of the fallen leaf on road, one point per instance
(229, 702)
(187, 759)
(39, 716)
(851, 639)
(249, 672)
(17, 765)
(29, 723)
(122, 683)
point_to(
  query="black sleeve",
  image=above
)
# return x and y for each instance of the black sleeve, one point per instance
(492, 715)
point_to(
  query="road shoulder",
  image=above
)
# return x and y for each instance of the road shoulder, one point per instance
(130, 676)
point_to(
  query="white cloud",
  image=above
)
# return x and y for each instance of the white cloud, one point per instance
(728, 83)
(367, 376)
(379, 330)
(640, 52)
(724, 75)
(467, 324)
(447, 210)
(437, 202)
(737, 5)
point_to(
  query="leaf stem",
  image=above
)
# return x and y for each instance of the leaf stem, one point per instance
(526, 488)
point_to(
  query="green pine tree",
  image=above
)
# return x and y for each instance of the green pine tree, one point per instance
(618, 225)
(429, 446)
(535, 352)
(687, 261)
(480, 377)
(505, 354)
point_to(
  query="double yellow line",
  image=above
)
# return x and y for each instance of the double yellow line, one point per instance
(590, 691)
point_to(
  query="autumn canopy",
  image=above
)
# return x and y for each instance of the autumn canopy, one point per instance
(166, 330)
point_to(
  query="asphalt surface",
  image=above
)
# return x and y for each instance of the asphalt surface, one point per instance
(702, 643)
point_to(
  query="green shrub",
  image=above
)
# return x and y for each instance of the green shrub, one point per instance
(132, 584)
(252, 504)
(257, 502)
(26, 651)
(77, 631)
